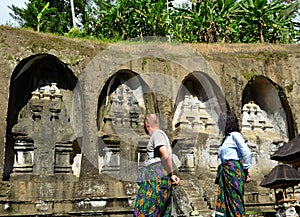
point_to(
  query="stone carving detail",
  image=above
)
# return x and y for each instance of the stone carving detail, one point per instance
(192, 115)
(254, 120)
(213, 143)
(86, 189)
(123, 111)
(123, 116)
(254, 150)
(24, 156)
(142, 152)
(256, 126)
(187, 159)
(42, 206)
(112, 157)
(275, 145)
(190, 119)
(43, 135)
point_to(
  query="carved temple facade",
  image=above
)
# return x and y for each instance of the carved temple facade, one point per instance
(74, 142)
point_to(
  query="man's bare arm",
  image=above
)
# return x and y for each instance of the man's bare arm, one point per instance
(167, 163)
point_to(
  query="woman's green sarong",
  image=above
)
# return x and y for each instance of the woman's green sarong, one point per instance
(231, 180)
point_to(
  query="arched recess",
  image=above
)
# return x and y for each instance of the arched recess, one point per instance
(199, 91)
(32, 74)
(122, 105)
(273, 102)
(128, 88)
(198, 105)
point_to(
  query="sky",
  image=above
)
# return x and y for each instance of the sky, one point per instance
(4, 10)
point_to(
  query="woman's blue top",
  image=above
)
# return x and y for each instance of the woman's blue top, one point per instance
(235, 148)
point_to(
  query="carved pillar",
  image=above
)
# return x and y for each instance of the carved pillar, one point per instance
(187, 159)
(111, 157)
(24, 156)
(62, 158)
(142, 152)
(134, 115)
(185, 149)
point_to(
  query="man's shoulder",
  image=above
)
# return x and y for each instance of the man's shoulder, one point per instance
(160, 135)
(159, 132)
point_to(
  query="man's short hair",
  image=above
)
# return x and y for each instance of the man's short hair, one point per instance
(152, 120)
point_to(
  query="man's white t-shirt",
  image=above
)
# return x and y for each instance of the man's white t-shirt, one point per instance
(158, 138)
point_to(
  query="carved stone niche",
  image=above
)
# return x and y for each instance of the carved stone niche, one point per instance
(120, 129)
(43, 135)
(187, 160)
(134, 114)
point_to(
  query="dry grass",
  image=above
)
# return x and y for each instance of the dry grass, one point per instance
(17, 37)
(207, 49)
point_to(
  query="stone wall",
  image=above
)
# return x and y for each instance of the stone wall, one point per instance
(188, 85)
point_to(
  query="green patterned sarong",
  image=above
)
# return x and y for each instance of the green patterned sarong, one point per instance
(154, 194)
(231, 180)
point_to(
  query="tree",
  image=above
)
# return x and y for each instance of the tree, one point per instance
(40, 16)
(34, 16)
(225, 16)
(125, 19)
(265, 21)
(55, 18)
(194, 24)
(207, 21)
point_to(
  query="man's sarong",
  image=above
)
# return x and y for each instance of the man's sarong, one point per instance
(231, 180)
(154, 194)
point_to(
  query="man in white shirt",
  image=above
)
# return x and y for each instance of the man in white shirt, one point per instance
(156, 178)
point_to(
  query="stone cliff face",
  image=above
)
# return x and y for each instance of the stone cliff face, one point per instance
(72, 115)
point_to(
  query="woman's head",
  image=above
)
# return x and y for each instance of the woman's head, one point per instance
(228, 123)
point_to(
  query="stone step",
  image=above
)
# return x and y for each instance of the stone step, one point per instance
(195, 194)
(199, 204)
